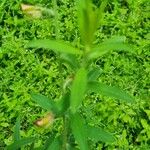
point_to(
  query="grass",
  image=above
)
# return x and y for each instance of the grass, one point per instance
(23, 71)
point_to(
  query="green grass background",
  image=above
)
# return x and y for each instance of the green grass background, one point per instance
(23, 71)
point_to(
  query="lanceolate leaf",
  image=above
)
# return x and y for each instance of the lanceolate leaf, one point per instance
(20, 143)
(79, 131)
(55, 45)
(98, 134)
(17, 130)
(87, 21)
(109, 45)
(44, 102)
(78, 89)
(64, 103)
(109, 91)
(100, 11)
(94, 73)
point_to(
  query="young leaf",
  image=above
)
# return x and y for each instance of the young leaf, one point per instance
(109, 45)
(17, 130)
(98, 134)
(87, 21)
(100, 12)
(55, 45)
(20, 143)
(79, 131)
(109, 91)
(78, 89)
(48, 142)
(44, 102)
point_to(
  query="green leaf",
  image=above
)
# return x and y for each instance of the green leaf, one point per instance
(49, 141)
(55, 145)
(78, 89)
(98, 134)
(70, 60)
(100, 14)
(87, 21)
(20, 143)
(94, 73)
(55, 45)
(64, 103)
(79, 131)
(44, 102)
(108, 46)
(109, 91)
(17, 130)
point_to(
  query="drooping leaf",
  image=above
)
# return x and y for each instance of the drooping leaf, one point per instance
(20, 143)
(44, 102)
(17, 130)
(109, 91)
(79, 131)
(98, 134)
(94, 73)
(55, 45)
(78, 89)
(108, 46)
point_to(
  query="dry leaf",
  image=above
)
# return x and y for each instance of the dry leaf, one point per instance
(46, 121)
(36, 11)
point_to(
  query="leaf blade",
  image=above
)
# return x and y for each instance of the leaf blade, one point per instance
(79, 131)
(98, 134)
(44, 102)
(20, 143)
(17, 130)
(78, 88)
(115, 43)
(55, 45)
(110, 91)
